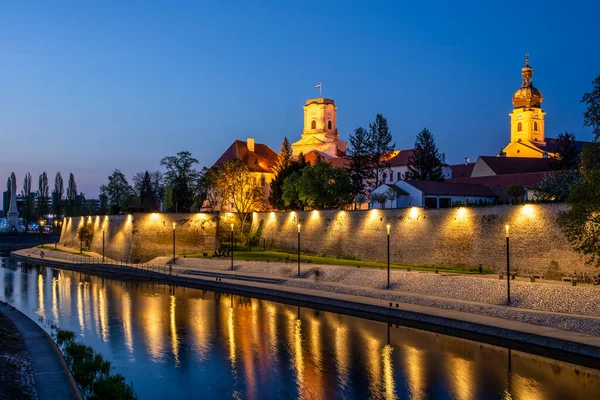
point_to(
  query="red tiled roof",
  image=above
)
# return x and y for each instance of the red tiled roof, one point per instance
(462, 170)
(315, 156)
(499, 183)
(262, 159)
(452, 189)
(401, 159)
(516, 165)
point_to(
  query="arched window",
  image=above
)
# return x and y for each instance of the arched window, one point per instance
(313, 124)
(262, 180)
(519, 127)
(384, 177)
(329, 124)
(535, 126)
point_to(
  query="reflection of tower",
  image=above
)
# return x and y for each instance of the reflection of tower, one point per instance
(13, 213)
(320, 130)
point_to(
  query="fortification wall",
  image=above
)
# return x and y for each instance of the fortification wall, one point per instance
(141, 237)
(457, 236)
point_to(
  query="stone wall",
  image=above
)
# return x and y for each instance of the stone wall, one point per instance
(447, 237)
(142, 237)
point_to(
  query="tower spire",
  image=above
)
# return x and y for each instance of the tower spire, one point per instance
(527, 59)
(527, 73)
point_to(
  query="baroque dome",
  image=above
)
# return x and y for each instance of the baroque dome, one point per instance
(527, 95)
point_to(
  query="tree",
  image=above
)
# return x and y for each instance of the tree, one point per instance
(379, 198)
(284, 159)
(360, 160)
(168, 199)
(71, 195)
(27, 207)
(591, 116)
(381, 141)
(117, 191)
(425, 164)
(43, 196)
(240, 191)
(566, 153)
(392, 195)
(289, 193)
(324, 186)
(85, 233)
(147, 191)
(58, 193)
(277, 184)
(517, 191)
(581, 223)
(556, 186)
(182, 178)
(9, 181)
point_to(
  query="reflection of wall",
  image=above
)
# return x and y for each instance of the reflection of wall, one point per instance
(463, 236)
(141, 237)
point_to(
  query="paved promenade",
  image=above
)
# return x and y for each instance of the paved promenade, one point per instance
(562, 331)
(52, 378)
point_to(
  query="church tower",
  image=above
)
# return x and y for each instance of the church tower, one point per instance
(320, 129)
(527, 119)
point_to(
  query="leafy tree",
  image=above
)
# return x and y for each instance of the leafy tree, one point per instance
(58, 193)
(556, 186)
(425, 164)
(117, 191)
(27, 207)
(392, 195)
(285, 158)
(9, 181)
(289, 193)
(324, 186)
(168, 199)
(71, 195)
(182, 178)
(379, 198)
(277, 184)
(581, 223)
(591, 117)
(381, 142)
(566, 153)
(517, 191)
(85, 233)
(360, 160)
(43, 196)
(213, 190)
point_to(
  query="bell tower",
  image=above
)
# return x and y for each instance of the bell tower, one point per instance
(527, 118)
(320, 129)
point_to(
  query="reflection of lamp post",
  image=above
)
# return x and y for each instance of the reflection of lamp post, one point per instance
(298, 249)
(388, 254)
(507, 264)
(171, 266)
(231, 246)
(42, 223)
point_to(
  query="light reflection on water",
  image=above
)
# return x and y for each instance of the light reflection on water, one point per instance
(182, 343)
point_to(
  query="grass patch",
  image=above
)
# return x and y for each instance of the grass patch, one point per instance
(75, 253)
(282, 256)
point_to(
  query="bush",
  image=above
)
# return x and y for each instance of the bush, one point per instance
(254, 237)
(86, 233)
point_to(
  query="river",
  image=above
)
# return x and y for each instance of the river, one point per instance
(190, 343)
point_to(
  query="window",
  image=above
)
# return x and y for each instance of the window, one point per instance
(519, 127)
(391, 176)
(262, 180)
(445, 202)
(328, 124)
(535, 126)
(430, 202)
(313, 124)
(383, 177)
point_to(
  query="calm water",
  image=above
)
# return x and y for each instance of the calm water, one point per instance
(190, 343)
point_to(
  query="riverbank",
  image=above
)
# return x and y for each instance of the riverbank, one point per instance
(43, 371)
(536, 330)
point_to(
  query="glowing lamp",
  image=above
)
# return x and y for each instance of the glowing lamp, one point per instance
(42, 223)
(231, 227)
(388, 226)
(298, 228)
(174, 225)
(507, 227)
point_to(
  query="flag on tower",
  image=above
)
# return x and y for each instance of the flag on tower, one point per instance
(318, 85)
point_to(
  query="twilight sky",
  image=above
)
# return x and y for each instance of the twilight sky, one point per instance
(87, 88)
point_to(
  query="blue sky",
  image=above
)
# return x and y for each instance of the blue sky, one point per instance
(87, 87)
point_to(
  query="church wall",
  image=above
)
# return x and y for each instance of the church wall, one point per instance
(455, 237)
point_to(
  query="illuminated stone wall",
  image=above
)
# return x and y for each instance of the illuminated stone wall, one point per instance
(458, 237)
(142, 237)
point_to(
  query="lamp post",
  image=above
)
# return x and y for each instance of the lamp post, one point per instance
(388, 255)
(507, 264)
(42, 223)
(55, 225)
(102, 246)
(171, 266)
(231, 247)
(298, 249)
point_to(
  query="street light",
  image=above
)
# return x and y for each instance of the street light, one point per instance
(171, 266)
(231, 246)
(102, 246)
(42, 223)
(298, 249)
(388, 226)
(507, 264)
(55, 225)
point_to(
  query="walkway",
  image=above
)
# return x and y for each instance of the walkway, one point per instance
(51, 376)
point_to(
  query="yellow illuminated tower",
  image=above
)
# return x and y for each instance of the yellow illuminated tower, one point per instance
(320, 130)
(527, 138)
